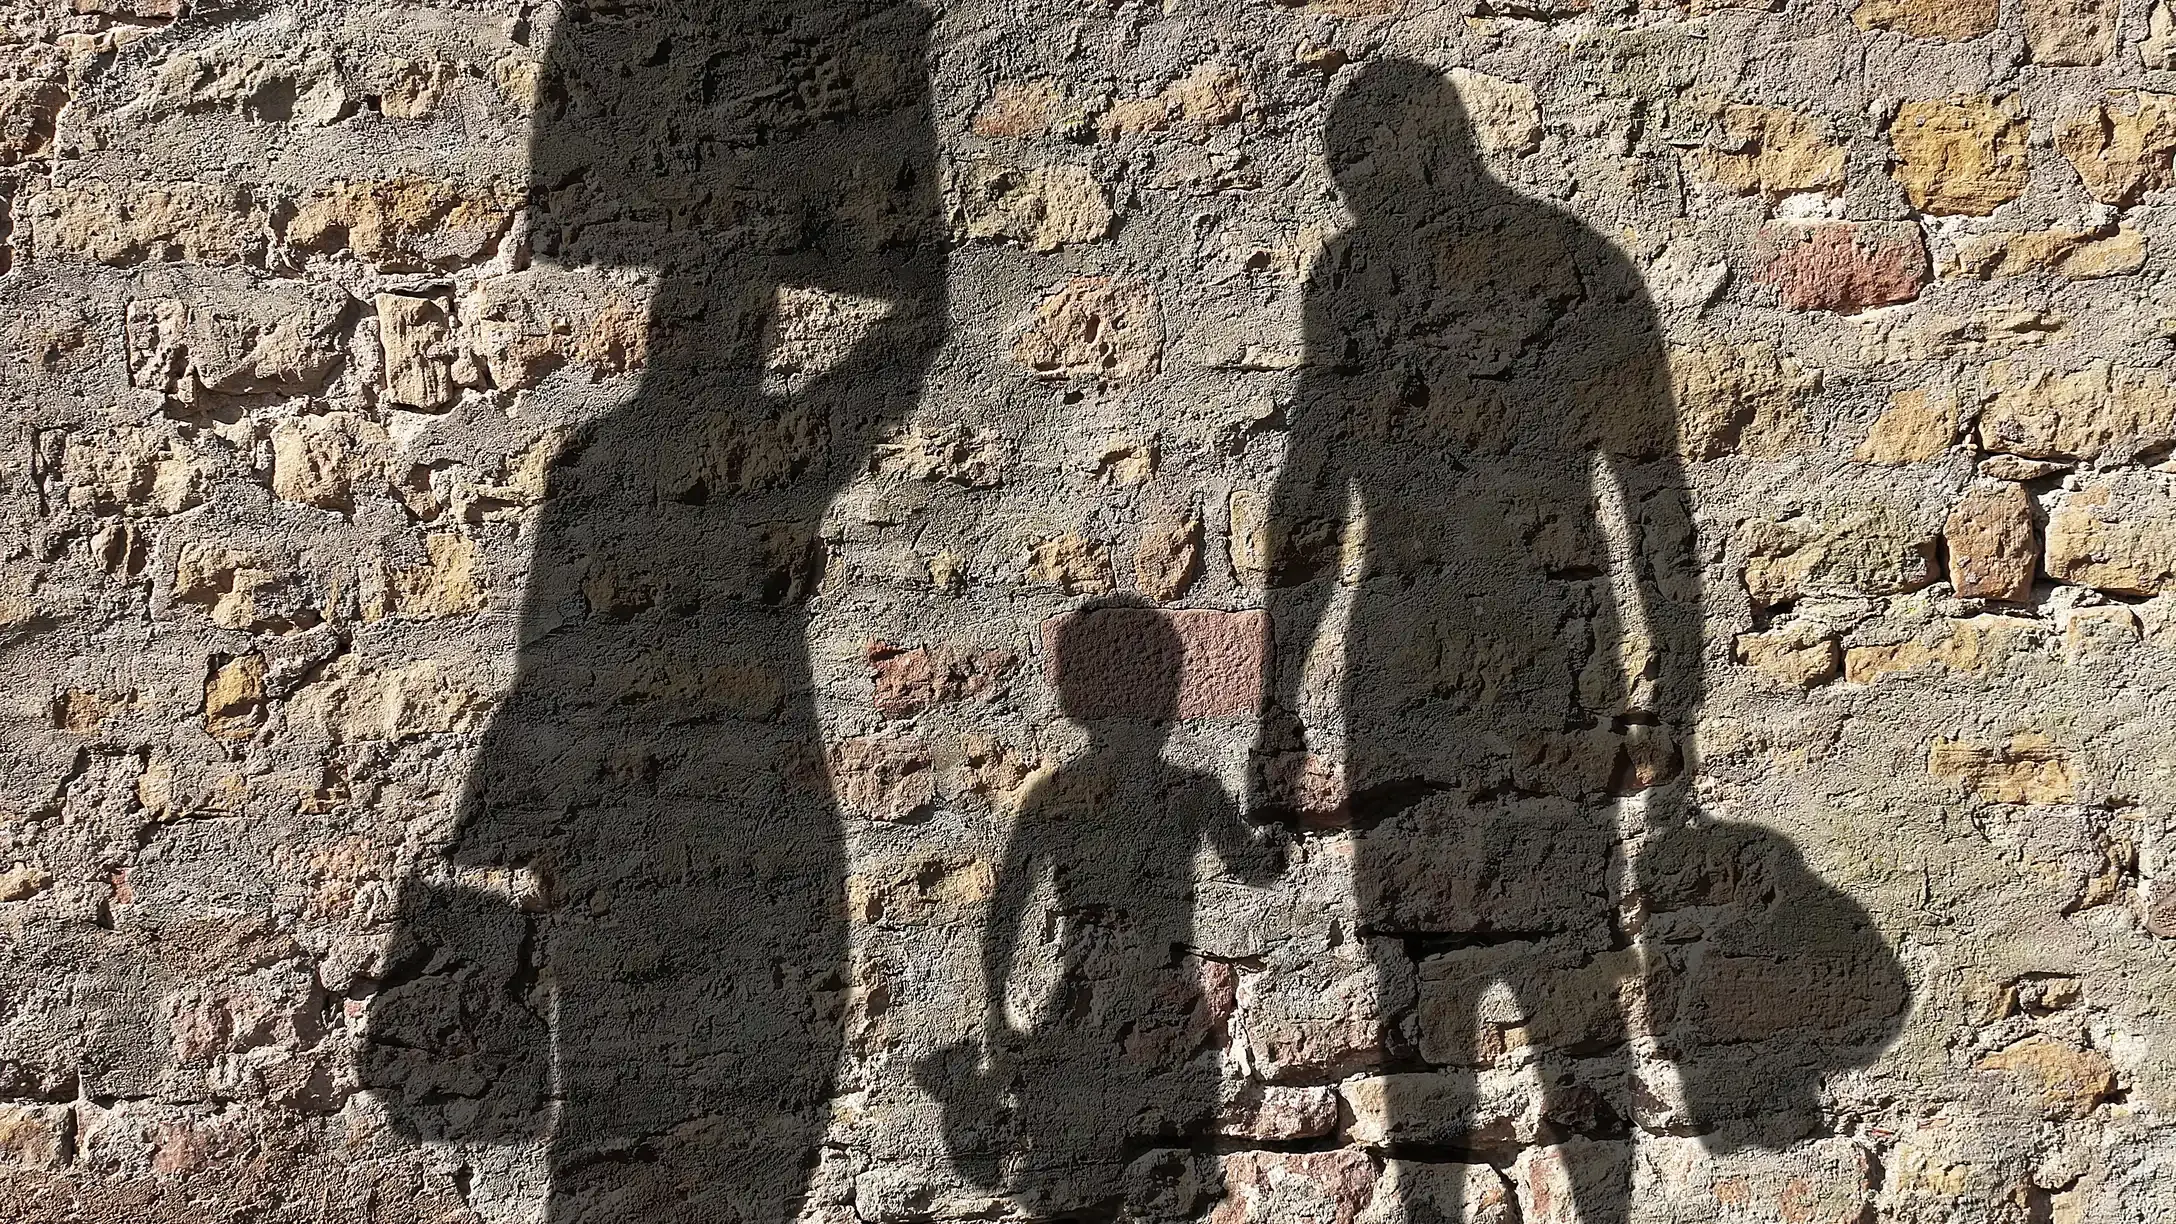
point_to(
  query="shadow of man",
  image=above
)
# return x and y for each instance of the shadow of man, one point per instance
(1486, 388)
(1118, 1065)
(666, 1005)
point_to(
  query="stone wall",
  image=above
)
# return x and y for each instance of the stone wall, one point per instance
(288, 388)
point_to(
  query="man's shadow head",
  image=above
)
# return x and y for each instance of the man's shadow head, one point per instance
(1117, 664)
(1399, 141)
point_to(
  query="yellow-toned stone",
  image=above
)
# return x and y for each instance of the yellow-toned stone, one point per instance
(2116, 534)
(685, 680)
(519, 79)
(133, 471)
(2106, 629)
(811, 331)
(946, 573)
(1072, 563)
(1366, 8)
(1799, 655)
(17, 883)
(249, 80)
(2028, 769)
(1740, 399)
(2097, 413)
(128, 223)
(524, 325)
(1094, 326)
(1126, 461)
(1859, 550)
(1212, 96)
(1323, 59)
(35, 1136)
(226, 581)
(1018, 109)
(84, 711)
(954, 453)
(2070, 32)
(2122, 147)
(447, 583)
(2078, 254)
(1923, 1173)
(1041, 207)
(735, 452)
(1247, 514)
(1133, 117)
(1963, 156)
(2159, 48)
(355, 701)
(317, 460)
(414, 333)
(2068, 1081)
(1944, 19)
(1972, 644)
(1506, 115)
(410, 89)
(1915, 427)
(234, 337)
(28, 113)
(1775, 152)
(1991, 332)
(404, 224)
(527, 478)
(883, 777)
(931, 891)
(234, 697)
(1168, 557)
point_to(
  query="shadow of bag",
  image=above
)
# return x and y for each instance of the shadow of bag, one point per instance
(454, 1047)
(1764, 980)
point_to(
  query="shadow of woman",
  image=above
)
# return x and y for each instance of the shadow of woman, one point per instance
(666, 1006)
(1485, 385)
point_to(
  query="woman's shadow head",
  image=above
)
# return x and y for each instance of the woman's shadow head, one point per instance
(1399, 143)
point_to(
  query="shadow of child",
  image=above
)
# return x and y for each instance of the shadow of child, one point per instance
(1116, 1063)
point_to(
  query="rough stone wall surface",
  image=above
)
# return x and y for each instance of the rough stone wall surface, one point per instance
(288, 385)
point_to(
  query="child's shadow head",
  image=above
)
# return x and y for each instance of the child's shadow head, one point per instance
(1117, 664)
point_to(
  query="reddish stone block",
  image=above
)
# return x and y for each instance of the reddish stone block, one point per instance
(2161, 908)
(911, 680)
(1332, 1187)
(1223, 657)
(1844, 266)
(1276, 1112)
(1994, 548)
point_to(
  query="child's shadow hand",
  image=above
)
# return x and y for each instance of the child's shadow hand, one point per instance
(971, 1096)
(1258, 860)
(1252, 852)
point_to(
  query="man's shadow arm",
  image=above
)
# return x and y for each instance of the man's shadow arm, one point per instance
(1303, 530)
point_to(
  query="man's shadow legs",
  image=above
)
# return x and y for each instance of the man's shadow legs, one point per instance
(1518, 1060)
